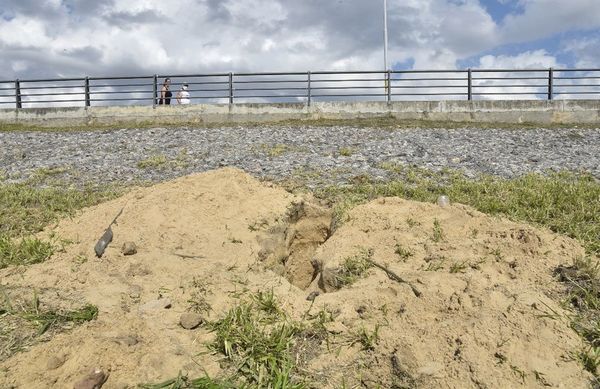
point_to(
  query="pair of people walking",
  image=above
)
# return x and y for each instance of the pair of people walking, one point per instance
(183, 95)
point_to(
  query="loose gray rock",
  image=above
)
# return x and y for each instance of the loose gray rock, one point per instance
(93, 380)
(313, 295)
(129, 248)
(189, 321)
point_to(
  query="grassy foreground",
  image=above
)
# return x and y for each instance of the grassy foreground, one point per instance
(566, 203)
(26, 209)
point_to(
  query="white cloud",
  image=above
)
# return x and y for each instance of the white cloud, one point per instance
(543, 18)
(585, 50)
(116, 37)
(538, 59)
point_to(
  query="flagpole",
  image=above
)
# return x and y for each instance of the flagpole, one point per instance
(385, 35)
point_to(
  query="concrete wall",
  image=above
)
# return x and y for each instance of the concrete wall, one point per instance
(543, 112)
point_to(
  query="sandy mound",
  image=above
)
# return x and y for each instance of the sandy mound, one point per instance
(484, 286)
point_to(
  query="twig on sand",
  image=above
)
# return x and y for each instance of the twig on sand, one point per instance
(395, 277)
(187, 256)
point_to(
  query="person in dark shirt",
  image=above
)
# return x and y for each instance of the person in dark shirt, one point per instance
(165, 93)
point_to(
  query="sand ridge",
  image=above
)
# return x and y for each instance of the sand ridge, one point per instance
(486, 284)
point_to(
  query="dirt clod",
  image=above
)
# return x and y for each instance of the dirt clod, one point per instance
(191, 320)
(94, 380)
(129, 248)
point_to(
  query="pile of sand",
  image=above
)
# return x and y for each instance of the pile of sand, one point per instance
(484, 286)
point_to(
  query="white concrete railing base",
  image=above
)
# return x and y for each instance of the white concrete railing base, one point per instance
(505, 111)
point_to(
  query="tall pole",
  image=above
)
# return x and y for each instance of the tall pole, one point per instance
(385, 35)
(385, 50)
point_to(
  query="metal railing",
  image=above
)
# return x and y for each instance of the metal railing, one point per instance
(306, 87)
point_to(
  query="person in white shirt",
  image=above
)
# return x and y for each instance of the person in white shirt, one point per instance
(183, 96)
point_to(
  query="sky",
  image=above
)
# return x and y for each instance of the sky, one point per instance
(74, 38)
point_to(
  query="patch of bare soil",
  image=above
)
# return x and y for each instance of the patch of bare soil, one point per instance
(415, 295)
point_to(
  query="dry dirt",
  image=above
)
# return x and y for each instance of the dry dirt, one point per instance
(481, 320)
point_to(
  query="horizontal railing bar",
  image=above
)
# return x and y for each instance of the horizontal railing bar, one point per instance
(312, 80)
(51, 101)
(51, 87)
(576, 85)
(118, 85)
(209, 90)
(425, 86)
(429, 94)
(351, 95)
(426, 71)
(269, 74)
(208, 97)
(270, 89)
(429, 79)
(577, 78)
(119, 92)
(577, 93)
(52, 80)
(132, 99)
(51, 94)
(268, 96)
(13, 88)
(510, 86)
(347, 87)
(508, 78)
(163, 76)
(270, 81)
(121, 78)
(509, 70)
(509, 93)
(576, 70)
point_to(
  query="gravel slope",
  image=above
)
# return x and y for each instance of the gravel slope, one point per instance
(277, 152)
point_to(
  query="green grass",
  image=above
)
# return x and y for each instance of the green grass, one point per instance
(367, 339)
(438, 233)
(22, 322)
(162, 162)
(156, 162)
(582, 281)
(353, 268)
(27, 209)
(26, 251)
(384, 122)
(183, 382)
(256, 337)
(346, 151)
(402, 252)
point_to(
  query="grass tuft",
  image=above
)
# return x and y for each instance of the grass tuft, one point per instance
(27, 251)
(22, 323)
(354, 268)
(27, 209)
(402, 252)
(256, 337)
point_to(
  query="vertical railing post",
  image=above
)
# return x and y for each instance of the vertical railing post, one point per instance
(388, 79)
(308, 89)
(87, 91)
(230, 88)
(469, 84)
(154, 90)
(550, 83)
(18, 94)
